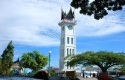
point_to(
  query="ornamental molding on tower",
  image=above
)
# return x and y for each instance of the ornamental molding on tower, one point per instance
(65, 21)
(68, 18)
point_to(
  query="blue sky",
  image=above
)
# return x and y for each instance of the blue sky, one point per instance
(33, 25)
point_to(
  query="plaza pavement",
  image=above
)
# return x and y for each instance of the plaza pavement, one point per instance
(81, 78)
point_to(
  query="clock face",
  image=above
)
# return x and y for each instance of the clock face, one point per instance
(70, 27)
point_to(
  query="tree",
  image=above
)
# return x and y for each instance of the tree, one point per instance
(102, 59)
(122, 68)
(0, 66)
(34, 60)
(97, 7)
(7, 58)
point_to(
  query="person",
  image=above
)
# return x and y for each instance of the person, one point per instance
(94, 75)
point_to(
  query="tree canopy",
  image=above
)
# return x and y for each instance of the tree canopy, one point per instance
(33, 60)
(98, 8)
(0, 66)
(122, 69)
(102, 59)
(7, 58)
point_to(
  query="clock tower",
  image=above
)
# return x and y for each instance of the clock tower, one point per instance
(67, 40)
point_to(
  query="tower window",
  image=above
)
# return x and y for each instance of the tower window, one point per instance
(67, 51)
(70, 67)
(71, 40)
(67, 66)
(67, 40)
(73, 52)
(70, 52)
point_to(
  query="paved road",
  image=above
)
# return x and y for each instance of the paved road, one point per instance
(17, 78)
(81, 78)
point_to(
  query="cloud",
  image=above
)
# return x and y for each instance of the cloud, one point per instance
(111, 24)
(35, 22)
(25, 23)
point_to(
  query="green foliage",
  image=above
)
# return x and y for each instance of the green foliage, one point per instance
(7, 59)
(34, 60)
(0, 66)
(98, 8)
(122, 69)
(52, 73)
(102, 59)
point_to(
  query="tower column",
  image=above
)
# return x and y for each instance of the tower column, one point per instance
(68, 39)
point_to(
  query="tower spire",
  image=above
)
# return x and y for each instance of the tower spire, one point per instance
(62, 14)
(69, 15)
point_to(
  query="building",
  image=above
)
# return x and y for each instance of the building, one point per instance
(17, 70)
(68, 39)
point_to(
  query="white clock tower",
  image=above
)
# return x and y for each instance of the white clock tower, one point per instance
(68, 39)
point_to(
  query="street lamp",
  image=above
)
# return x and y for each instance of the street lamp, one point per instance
(49, 61)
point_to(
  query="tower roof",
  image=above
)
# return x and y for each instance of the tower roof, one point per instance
(17, 61)
(69, 15)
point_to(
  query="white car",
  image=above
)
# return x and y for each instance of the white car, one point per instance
(121, 78)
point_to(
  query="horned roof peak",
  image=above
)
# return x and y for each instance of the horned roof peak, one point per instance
(68, 16)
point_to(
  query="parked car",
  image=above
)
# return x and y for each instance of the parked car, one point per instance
(121, 78)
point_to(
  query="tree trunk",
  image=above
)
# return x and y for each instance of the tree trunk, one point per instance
(104, 70)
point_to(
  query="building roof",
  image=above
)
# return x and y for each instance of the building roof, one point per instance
(68, 16)
(17, 61)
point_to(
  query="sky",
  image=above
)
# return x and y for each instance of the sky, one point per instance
(33, 25)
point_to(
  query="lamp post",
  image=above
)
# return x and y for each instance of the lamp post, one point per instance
(49, 61)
